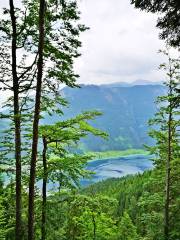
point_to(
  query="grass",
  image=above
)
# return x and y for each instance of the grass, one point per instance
(116, 154)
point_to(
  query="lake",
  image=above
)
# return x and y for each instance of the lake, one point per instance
(117, 167)
(112, 168)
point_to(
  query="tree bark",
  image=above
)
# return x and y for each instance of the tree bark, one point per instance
(44, 190)
(36, 121)
(17, 123)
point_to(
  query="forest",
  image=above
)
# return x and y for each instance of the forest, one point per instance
(42, 162)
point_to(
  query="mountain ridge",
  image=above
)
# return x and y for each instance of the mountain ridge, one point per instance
(138, 82)
(126, 111)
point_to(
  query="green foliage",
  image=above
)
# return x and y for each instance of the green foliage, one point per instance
(127, 231)
(158, 206)
(65, 166)
(90, 218)
(2, 222)
(7, 210)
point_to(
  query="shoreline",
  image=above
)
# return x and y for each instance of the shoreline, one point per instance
(97, 156)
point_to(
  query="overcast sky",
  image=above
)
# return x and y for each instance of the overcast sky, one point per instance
(121, 45)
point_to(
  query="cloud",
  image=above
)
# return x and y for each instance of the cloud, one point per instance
(121, 45)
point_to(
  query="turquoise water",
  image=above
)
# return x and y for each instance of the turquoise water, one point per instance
(117, 167)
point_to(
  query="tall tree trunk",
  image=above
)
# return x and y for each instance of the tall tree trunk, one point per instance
(17, 123)
(168, 172)
(36, 121)
(44, 188)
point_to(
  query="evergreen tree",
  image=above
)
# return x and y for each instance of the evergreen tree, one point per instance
(127, 231)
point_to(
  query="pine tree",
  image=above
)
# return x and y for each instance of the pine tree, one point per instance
(160, 205)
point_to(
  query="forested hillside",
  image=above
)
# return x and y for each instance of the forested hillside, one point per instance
(126, 111)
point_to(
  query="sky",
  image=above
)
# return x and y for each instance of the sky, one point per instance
(122, 43)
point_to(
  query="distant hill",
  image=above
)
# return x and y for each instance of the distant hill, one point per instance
(126, 111)
(131, 84)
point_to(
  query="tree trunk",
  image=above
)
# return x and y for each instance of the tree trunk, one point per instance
(94, 227)
(43, 224)
(60, 182)
(36, 121)
(17, 123)
(168, 172)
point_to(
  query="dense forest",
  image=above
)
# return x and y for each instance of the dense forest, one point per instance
(42, 162)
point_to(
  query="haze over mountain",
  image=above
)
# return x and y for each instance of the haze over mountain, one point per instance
(134, 83)
(126, 111)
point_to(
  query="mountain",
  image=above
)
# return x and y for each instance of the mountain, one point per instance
(126, 111)
(130, 84)
(145, 82)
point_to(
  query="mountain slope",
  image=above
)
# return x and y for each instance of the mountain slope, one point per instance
(126, 111)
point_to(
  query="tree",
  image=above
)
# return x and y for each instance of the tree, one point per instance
(172, 137)
(91, 218)
(7, 210)
(127, 231)
(15, 77)
(16, 121)
(162, 200)
(169, 22)
(61, 167)
(2, 214)
(36, 120)
(56, 52)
